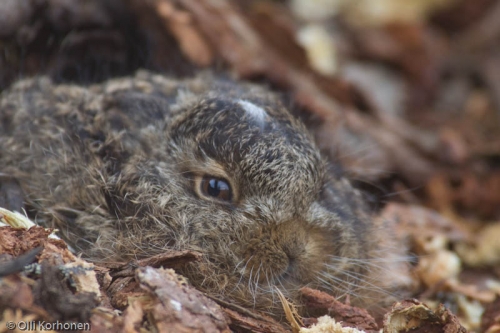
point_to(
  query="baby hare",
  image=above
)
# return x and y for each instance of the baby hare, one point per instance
(135, 166)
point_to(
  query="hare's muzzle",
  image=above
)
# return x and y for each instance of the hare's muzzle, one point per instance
(287, 251)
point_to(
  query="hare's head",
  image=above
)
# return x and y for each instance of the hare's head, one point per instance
(146, 164)
(260, 204)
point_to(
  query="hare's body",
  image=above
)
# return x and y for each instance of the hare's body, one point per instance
(135, 166)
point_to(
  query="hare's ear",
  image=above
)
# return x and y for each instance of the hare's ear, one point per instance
(135, 109)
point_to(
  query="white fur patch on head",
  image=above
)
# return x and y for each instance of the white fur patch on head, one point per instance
(256, 112)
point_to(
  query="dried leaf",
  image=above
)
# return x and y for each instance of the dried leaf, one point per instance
(413, 315)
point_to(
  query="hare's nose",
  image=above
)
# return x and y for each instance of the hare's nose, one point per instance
(265, 260)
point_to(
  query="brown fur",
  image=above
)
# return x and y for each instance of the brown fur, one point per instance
(113, 167)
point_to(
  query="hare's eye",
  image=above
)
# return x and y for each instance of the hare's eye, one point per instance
(216, 188)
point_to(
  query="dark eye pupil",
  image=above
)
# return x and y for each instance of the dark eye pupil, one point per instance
(214, 187)
(217, 188)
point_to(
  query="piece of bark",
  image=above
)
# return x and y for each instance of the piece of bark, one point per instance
(243, 318)
(52, 291)
(16, 265)
(178, 307)
(107, 320)
(124, 285)
(132, 317)
(17, 241)
(348, 315)
(56, 252)
(53, 294)
(121, 289)
(168, 259)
